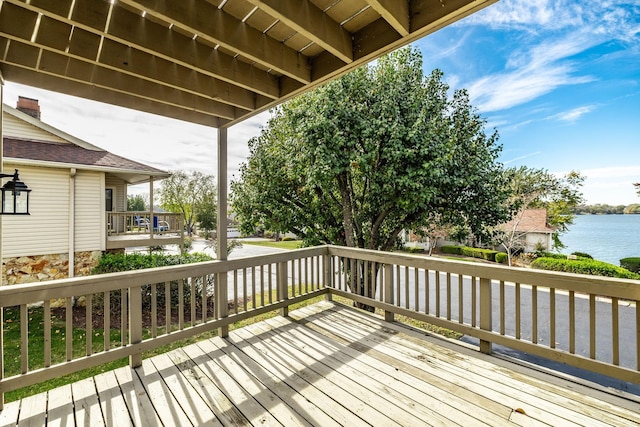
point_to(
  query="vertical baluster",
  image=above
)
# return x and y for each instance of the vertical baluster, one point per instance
(68, 334)
(88, 324)
(282, 285)
(572, 322)
(204, 279)
(135, 324)
(47, 333)
(270, 282)
(448, 295)
(106, 304)
(534, 314)
(24, 338)
(502, 308)
(474, 302)
(615, 331)
(427, 286)
(124, 314)
(437, 273)
(262, 285)
(518, 311)
(192, 298)
(180, 304)
(154, 310)
(244, 289)
(406, 287)
(300, 275)
(397, 286)
(253, 287)
(292, 289)
(460, 298)
(308, 262)
(416, 288)
(167, 307)
(592, 326)
(366, 279)
(235, 291)
(552, 318)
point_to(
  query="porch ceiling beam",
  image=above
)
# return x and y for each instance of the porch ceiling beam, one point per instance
(395, 12)
(216, 26)
(313, 23)
(71, 87)
(61, 66)
(135, 66)
(154, 39)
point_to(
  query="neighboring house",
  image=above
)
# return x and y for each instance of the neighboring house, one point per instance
(531, 230)
(78, 201)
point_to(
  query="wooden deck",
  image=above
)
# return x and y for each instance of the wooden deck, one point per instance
(325, 365)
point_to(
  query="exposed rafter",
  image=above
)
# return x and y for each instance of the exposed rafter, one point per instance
(212, 62)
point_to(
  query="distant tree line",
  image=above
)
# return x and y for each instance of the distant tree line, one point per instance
(604, 209)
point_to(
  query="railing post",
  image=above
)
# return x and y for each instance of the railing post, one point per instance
(327, 276)
(388, 291)
(281, 286)
(135, 323)
(485, 312)
(221, 298)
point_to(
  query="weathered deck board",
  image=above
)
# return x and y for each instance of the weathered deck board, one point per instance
(325, 365)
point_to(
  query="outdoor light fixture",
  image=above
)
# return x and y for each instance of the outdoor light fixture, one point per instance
(15, 195)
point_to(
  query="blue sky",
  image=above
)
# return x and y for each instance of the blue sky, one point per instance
(559, 80)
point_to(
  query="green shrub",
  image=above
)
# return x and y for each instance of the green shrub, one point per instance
(486, 254)
(287, 239)
(631, 264)
(584, 266)
(550, 255)
(112, 263)
(502, 257)
(414, 249)
(449, 249)
(582, 255)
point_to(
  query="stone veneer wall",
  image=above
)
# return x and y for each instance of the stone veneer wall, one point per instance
(39, 268)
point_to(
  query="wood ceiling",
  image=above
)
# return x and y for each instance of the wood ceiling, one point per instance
(213, 62)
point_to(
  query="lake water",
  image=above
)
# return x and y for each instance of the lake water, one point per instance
(605, 237)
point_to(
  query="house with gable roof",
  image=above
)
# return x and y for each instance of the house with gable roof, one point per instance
(78, 202)
(530, 227)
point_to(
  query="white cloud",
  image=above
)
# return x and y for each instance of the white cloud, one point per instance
(550, 34)
(611, 185)
(574, 114)
(156, 141)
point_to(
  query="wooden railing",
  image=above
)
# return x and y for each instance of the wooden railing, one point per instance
(124, 314)
(552, 315)
(547, 314)
(131, 223)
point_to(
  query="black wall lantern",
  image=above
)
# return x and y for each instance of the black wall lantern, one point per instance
(15, 195)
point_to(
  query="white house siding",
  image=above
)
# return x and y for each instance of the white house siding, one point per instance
(89, 210)
(46, 230)
(12, 127)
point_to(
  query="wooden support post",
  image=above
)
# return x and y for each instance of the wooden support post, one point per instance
(221, 290)
(281, 286)
(135, 323)
(485, 312)
(388, 290)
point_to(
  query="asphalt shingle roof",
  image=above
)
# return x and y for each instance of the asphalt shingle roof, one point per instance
(70, 154)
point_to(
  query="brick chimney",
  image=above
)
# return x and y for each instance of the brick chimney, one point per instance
(29, 106)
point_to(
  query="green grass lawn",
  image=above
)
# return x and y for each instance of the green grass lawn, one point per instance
(289, 244)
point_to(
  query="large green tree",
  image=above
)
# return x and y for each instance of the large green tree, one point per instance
(379, 150)
(189, 194)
